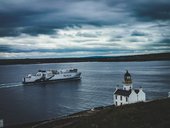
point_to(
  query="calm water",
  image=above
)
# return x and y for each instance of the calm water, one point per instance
(20, 104)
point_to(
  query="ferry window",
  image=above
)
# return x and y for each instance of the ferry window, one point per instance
(120, 97)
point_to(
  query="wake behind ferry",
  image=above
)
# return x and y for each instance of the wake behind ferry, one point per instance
(52, 75)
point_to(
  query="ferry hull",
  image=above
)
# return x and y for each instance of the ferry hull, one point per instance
(76, 77)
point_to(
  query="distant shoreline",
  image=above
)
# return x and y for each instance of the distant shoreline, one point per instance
(144, 57)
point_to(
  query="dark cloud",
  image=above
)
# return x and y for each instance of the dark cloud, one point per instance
(161, 45)
(31, 30)
(14, 49)
(38, 30)
(118, 36)
(149, 10)
(134, 40)
(9, 32)
(138, 33)
(5, 48)
(46, 15)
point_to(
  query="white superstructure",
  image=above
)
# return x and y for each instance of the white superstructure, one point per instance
(128, 94)
(52, 75)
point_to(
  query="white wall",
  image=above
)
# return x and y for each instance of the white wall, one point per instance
(119, 101)
(133, 97)
(141, 96)
(1, 123)
(127, 86)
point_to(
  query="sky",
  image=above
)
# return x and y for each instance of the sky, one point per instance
(82, 28)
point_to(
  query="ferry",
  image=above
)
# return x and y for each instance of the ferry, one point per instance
(52, 75)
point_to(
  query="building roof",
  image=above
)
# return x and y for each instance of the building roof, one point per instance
(137, 91)
(123, 92)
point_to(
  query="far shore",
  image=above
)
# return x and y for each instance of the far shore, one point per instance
(154, 114)
(144, 57)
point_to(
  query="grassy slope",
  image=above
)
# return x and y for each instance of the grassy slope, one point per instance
(155, 114)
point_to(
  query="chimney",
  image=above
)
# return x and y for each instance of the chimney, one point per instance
(117, 87)
(140, 88)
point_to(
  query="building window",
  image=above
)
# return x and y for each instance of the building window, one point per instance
(126, 99)
(116, 97)
(120, 97)
(120, 103)
(116, 103)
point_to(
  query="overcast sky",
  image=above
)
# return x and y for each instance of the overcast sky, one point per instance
(79, 28)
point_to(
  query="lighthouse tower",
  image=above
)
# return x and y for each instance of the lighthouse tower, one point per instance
(127, 84)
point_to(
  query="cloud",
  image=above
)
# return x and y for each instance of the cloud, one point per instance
(150, 10)
(162, 44)
(39, 16)
(86, 41)
(83, 27)
(138, 33)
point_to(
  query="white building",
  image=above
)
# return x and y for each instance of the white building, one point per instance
(127, 94)
(1, 123)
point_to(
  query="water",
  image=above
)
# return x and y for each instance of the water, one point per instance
(21, 104)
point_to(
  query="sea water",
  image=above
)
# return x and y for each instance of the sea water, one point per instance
(28, 103)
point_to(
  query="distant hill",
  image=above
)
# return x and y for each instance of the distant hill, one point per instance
(145, 57)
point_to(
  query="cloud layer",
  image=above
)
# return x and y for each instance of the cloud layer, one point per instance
(62, 28)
